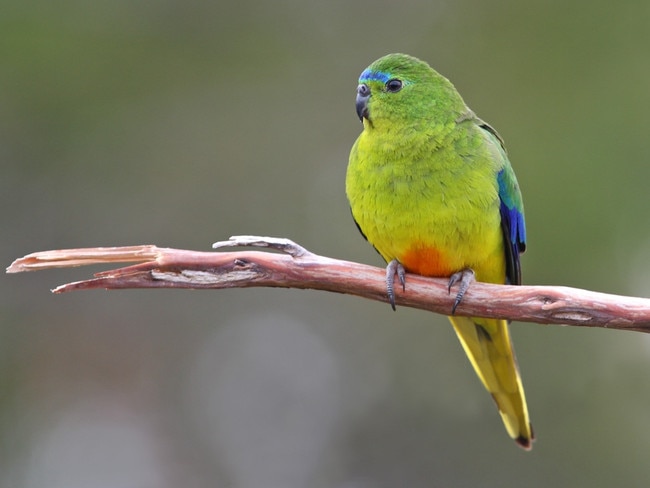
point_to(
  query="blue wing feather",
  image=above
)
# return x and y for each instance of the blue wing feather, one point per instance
(513, 225)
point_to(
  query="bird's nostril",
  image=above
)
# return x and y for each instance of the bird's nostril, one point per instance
(363, 90)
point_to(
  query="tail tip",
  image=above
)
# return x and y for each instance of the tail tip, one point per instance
(526, 441)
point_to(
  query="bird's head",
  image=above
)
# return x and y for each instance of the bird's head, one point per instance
(399, 88)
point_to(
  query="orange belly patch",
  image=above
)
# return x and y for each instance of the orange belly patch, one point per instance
(426, 261)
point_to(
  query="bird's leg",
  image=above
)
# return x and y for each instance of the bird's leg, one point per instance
(393, 269)
(464, 278)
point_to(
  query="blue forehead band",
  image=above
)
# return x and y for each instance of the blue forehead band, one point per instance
(370, 75)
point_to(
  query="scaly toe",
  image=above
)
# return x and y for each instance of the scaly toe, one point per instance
(464, 278)
(393, 269)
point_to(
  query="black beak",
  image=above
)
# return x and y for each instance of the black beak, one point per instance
(363, 94)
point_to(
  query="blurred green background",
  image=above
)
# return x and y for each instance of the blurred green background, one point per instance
(182, 123)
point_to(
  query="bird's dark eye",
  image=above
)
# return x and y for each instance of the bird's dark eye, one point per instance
(393, 85)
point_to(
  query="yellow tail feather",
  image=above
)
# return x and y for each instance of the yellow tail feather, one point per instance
(487, 344)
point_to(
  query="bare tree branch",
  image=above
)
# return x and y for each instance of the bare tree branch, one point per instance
(296, 267)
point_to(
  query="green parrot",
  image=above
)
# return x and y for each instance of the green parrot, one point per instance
(431, 188)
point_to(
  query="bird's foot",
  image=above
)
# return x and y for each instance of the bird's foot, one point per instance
(393, 269)
(464, 278)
